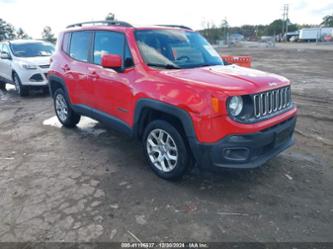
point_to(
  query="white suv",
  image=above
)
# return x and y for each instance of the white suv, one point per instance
(25, 63)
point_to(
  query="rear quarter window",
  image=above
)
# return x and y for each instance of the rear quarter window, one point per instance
(66, 42)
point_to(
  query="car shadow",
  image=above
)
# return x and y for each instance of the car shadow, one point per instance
(228, 179)
(33, 93)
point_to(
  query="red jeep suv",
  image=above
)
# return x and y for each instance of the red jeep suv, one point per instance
(167, 86)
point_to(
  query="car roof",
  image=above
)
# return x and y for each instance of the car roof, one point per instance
(119, 26)
(26, 41)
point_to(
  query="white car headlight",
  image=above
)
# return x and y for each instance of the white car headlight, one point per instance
(28, 66)
(235, 105)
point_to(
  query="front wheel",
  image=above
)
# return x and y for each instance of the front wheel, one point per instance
(63, 110)
(165, 150)
(20, 89)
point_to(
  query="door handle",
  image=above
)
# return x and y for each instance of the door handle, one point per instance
(66, 68)
(93, 75)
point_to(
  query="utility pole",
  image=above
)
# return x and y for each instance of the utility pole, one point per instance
(285, 19)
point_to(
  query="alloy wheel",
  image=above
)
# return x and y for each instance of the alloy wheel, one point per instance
(162, 150)
(17, 84)
(61, 107)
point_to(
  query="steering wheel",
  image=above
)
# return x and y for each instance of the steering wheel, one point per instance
(183, 57)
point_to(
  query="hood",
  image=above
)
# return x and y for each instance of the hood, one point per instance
(40, 60)
(230, 78)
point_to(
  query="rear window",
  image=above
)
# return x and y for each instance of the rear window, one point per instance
(79, 47)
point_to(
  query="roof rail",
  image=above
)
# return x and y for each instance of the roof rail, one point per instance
(175, 26)
(103, 22)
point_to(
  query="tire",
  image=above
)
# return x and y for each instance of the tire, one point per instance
(165, 150)
(2, 86)
(63, 110)
(20, 89)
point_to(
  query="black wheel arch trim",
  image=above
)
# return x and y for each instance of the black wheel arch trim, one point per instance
(53, 78)
(183, 116)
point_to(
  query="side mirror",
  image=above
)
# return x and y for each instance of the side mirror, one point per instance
(113, 61)
(5, 56)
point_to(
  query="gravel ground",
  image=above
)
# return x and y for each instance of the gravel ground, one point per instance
(92, 184)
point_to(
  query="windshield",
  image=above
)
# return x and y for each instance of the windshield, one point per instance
(176, 49)
(32, 49)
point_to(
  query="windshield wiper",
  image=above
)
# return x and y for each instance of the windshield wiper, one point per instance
(208, 65)
(167, 66)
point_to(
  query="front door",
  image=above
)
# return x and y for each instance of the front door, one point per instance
(113, 89)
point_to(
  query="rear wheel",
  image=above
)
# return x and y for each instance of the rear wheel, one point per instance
(63, 110)
(20, 89)
(165, 150)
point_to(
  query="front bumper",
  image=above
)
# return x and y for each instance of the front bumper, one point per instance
(37, 77)
(245, 151)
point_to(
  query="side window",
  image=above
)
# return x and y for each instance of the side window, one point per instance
(0, 48)
(5, 48)
(65, 42)
(107, 42)
(79, 47)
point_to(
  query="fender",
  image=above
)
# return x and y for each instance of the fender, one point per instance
(53, 78)
(181, 114)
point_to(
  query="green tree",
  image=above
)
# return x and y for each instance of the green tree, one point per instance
(275, 27)
(260, 30)
(110, 17)
(47, 35)
(249, 31)
(292, 27)
(327, 21)
(7, 31)
(210, 31)
(20, 34)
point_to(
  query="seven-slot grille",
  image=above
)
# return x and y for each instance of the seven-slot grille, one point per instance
(270, 102)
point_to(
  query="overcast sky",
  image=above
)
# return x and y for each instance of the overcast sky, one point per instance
(33, 15)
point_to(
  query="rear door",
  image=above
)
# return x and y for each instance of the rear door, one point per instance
(76, 69)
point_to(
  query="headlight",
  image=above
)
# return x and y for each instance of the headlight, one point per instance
(235, 105)
(28, 66)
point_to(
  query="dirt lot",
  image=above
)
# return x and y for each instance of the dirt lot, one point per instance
(91, 184)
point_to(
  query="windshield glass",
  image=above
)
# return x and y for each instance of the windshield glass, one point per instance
(32, 49)
(176, 49)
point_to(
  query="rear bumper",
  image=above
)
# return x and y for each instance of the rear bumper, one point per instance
(245, 151)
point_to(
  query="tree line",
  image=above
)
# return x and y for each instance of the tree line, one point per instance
(9, 32)
(214, 33)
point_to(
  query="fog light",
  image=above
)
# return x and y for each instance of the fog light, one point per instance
(236, 154)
